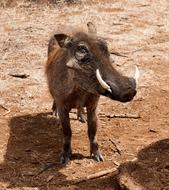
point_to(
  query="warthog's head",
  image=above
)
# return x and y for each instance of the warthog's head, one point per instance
(91, 69)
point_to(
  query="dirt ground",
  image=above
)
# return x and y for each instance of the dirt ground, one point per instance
(31, 139)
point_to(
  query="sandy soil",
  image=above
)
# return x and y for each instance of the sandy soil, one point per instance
(31, 139)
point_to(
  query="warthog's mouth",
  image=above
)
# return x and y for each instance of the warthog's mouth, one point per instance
(120, 96)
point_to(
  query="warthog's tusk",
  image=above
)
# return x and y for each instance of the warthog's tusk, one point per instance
(101, 81)
(136, 76)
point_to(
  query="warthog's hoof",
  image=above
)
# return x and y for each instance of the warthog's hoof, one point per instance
(82, 118)
(97, 156)
(65, 157)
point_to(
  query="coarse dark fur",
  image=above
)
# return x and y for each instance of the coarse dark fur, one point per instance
(71, 74)
(52, 46)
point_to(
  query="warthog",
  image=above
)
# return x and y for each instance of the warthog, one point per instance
(78, 73)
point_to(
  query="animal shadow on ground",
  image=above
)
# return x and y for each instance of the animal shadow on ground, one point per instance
(33, 151)
(149, 171)
(32, 156)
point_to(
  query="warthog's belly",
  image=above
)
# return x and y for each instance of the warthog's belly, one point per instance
(79, 99)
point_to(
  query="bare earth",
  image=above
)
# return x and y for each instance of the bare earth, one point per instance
(31, 139)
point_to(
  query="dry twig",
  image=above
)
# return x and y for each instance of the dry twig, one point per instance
(45, 168)
(99, 174)
(152, 131)
(131, 116)
(137, 50)
(17, 75)
(7, 112)
(6, 109)
(118, 54)
(116, 163)
(117, 149)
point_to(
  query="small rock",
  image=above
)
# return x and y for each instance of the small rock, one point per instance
(50, 178)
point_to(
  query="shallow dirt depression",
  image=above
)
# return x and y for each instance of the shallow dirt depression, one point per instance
(133, 137)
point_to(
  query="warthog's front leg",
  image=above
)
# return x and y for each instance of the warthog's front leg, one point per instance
(92, 129)
(65, 121)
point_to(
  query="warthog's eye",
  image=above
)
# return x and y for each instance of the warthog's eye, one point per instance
(81, 52)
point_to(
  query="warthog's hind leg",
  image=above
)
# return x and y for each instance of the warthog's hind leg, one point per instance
(54, 109)
(81, 115)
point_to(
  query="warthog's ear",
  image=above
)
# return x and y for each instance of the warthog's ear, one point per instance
(63, 40)
(91, 28)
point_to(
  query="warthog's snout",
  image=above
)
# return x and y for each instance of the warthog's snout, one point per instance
(122, 89)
